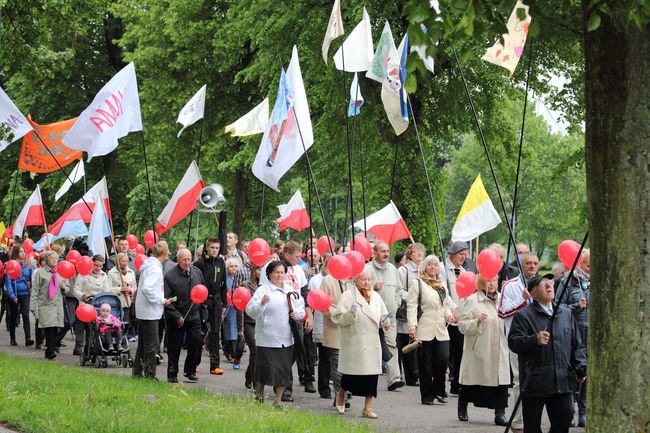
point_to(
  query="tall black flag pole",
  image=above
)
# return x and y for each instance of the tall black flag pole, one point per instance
(146, 166)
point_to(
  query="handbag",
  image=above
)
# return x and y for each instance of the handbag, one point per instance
(400, 314)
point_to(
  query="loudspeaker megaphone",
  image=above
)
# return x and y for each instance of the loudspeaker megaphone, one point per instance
(212, 195)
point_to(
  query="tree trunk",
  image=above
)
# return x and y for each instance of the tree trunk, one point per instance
(617, 87)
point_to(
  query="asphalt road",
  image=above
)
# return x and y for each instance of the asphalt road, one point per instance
(399, 411)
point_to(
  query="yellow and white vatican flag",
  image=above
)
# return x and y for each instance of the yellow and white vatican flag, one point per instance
(477, 215)
(251, 123)
(508, 53)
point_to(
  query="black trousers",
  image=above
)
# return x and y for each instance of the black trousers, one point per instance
(307, 369)
(192, 332)
(214, 337)
(249, 335)
(407, 361)
(15, 309)
(432, 365)
(148, 345)
(50, 338)
(559, 408)
(324, 371)
(456, 341)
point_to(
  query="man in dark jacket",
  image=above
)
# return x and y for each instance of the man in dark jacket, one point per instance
(183, 317)
(213, 269)
(553, 356)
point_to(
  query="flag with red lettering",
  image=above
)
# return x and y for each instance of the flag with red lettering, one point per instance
(114, 113)
(31, 215)
(293, 215)
(183, 201)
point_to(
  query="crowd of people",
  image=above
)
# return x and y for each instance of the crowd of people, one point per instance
(403, 319)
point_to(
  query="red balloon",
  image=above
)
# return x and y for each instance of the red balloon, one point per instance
(339, 267)
(241, 297)
(199, 294)
(133, 241)
(65, 269)
(323, 244)
(259, 251)
(13, 269)
(567, 252)
(86, 313)
(73, 256)
(362, 244)
(489, 263)
(139, 260)
(139, 249)
(84, 265)
(149, 239)
(357, 262)
(28, 246)
(466, 284)
(319, 300)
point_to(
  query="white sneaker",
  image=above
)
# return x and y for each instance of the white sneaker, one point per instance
(133, 339)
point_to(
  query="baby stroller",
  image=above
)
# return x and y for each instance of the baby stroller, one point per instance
(95, 351)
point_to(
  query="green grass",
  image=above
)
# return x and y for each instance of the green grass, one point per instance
(42, 396)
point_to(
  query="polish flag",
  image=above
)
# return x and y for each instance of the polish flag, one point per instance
(293, 215)
(386, 224)
(183, 201)
(31, 215)
(79, 211)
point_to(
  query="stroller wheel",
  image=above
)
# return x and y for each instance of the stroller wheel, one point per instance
(98, 362)
(118, 359)
(82, 360)
(104, 362)
(125, 361)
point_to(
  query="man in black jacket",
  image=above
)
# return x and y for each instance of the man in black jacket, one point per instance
(553, 356)
(183, 317)
(213, 268)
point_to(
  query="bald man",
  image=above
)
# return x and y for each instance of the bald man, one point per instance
(183, 317)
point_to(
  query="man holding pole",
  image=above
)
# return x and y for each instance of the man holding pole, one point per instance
(552, 360)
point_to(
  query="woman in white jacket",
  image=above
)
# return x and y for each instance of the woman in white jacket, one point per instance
(270, 310)
(359, 314)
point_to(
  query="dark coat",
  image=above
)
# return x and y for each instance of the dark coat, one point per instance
(178, 284)
(214, 275)
(552, 367)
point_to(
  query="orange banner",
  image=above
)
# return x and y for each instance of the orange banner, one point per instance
(34, 156)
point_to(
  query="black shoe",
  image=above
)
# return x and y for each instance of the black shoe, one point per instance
(50, 357)
(309, 387)
(248, 385)
(29, 343)
(37, 347)
(287, 398)
(77, 352)
(191, 377)
(326, 395)
(441, 399)
(500, 417)
(13, 343)
(172, 379)
(428, 402)
(416, 383)
(57, 350)
(462, 411)
(347, 404)
(397, 384)
(454, 390)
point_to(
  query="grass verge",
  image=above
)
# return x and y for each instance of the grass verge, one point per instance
(47, 397)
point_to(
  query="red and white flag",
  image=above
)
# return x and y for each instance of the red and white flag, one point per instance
(293, 215)
(31, 215)
(80, 212)
(114, 113)
(183, 201)
(386, 224)
(284, 143)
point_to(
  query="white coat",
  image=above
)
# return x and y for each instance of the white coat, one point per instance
(272, 327)
(360, 350)
(486, 359)
(150, 296)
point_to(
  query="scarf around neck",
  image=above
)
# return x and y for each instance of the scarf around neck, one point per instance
(51, 291)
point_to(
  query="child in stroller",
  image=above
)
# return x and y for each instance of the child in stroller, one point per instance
(110, 328)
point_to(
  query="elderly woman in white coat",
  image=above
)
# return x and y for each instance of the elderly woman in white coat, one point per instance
(428, 295)
(359, 314)
(46, 301)
(485, 368)
(270, 310)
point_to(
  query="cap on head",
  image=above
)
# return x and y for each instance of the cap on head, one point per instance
(534, 282)
(457, 247)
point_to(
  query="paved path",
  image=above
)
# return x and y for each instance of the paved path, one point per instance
(399, 411)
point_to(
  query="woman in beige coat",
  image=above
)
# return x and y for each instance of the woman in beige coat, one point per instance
(429, 296)
(358, 315)
(485, 367)
(46, 301)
